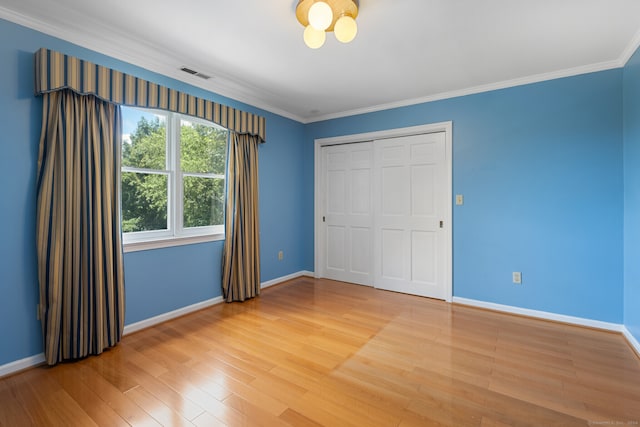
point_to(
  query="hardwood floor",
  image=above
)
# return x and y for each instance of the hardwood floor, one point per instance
(316, 352)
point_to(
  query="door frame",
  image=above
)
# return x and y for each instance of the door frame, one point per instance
(318, 208)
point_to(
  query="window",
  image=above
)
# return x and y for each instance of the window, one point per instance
(173, 172)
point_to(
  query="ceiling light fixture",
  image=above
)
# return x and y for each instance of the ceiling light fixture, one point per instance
(319, 17)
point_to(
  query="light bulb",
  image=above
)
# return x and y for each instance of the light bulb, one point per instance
(320, 15)
(346, 29)
(314, 38)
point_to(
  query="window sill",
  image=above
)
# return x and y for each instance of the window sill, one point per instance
(167, 242)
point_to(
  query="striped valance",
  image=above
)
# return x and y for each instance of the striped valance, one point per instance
(56, 71)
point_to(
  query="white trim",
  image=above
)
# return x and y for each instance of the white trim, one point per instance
(449, 211)
(597, 324)
(630, 50)
(152, 321)
(537, 78)
(446, 127)
(318, 257)
(633, 342)
(21, 365)
(169, 242)
(282, 279)
(382, 134)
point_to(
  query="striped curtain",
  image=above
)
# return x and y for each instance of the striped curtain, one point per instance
(80, 266)
(241, 260)
(56, 71)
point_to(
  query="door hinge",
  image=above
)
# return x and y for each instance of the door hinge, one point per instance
(323, 219)
(441, 224)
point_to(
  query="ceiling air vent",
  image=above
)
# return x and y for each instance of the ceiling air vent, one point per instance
(195, 73)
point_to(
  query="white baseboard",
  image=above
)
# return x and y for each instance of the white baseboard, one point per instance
(21, 365)
(32, 361)
(632, 340)
(143, 324)
(541, 314)
(152, 321)
(285, 278)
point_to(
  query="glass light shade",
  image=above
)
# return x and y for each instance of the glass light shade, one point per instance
(320, 15)
(314, 38)
(346, 29)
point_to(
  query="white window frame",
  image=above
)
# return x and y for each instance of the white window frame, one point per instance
(175, 234)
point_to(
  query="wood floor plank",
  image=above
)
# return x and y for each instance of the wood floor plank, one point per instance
(259, 398)
(148, 364)
(278, 387)
(99, 411)
(294, 418)
(323, 414)
(169, 397)
(118, 401)
(47, 401)
(253, 411)
(185, 380)
(158, 409)
(323, 353)
(208, 420)
(332, 394)
(12, 413)
(216, 412)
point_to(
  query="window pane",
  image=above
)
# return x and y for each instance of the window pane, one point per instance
(202, 148)
(203, 201)
(144, 201)
(144, 139)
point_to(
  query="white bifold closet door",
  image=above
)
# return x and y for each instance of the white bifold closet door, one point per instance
(348, 233)
(410, 197)
(384, 205)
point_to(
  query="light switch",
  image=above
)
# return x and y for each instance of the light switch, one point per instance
(459, 199)
(517, 277)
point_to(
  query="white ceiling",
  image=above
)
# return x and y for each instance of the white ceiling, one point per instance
(406, 51)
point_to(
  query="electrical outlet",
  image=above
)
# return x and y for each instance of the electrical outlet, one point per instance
(459, 199)
(517, 277)
(280, 256)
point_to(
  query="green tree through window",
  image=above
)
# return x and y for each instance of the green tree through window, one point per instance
(202, 152)
(144, 195)
(173, 170)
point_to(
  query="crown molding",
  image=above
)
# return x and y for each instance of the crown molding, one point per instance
(26, 21)
(150, 57)
(629, 50)
(602, 66)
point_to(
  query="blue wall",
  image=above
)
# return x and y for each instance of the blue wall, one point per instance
(632, 195)
(540, 167)
(157, 281)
